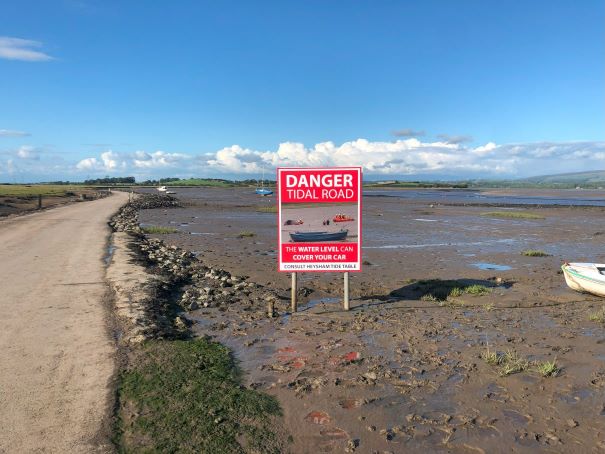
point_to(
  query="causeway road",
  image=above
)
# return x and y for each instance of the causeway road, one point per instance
(57, 355)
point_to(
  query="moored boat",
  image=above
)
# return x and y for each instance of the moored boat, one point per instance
(585, 277)
(263, 191)
(308, 237)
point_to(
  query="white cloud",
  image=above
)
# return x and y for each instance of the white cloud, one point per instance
(400, 158)
(411, 157)
(158, 159)
(27, 152)
(89, 164)
(12, 133)
(111, 161)
(21, 49)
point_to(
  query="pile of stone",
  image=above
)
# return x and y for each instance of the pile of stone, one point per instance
(149, 201)
(195, 284)
(202, 286)
(127, 218)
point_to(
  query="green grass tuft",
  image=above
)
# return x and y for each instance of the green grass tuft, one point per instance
(438, 290)
(154, 229)
(492, 358)
(456, 292)
(512, 215)
(246, 234)
(429, 297)
(598, 316)
(186, 396)
(548, 368)
(477, 289)
(512, 363)
(535, 253)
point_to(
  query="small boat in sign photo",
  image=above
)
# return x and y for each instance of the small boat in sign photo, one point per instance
(303, 237)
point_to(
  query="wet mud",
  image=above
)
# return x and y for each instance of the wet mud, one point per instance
(402, 372)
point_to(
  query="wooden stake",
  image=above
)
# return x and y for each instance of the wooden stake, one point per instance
(346, 291)
(293, 293)
(39, 201)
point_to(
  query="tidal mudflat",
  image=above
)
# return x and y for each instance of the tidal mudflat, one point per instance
(457, 341)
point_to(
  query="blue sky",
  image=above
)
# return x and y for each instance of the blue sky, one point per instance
(408, 89)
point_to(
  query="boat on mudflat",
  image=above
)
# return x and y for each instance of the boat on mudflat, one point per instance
(308, 237)
(263, 191)
(585, 277)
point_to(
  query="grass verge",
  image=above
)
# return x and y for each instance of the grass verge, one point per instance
(159, 230)
(534, 253)
(512, 215)
(31, 190)
(186, 396)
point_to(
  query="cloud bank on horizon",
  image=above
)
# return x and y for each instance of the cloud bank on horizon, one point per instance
(449, 158)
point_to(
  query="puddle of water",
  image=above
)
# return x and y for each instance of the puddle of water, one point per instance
(516, 417)
(426, 220)
(576, 396)
(201, 233)
(491, 266)
(312, 303)
(453, 244)
(109, 254)
(589, 332)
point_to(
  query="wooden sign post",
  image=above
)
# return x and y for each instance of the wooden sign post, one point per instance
(293, 293)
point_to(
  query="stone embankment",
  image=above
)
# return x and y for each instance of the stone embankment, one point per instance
(155, 284)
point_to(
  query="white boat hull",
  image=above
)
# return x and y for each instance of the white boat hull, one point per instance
(585, 277)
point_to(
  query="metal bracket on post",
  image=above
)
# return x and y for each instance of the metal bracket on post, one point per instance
(346, 291)
(293, 293)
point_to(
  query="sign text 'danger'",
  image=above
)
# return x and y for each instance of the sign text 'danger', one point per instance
(327, 180)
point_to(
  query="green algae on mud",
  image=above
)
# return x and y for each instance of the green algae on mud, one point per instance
(512, 215)
(186, 396)
(535, 253)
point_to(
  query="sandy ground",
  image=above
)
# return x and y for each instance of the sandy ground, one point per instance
(56, 350)
(399, 373)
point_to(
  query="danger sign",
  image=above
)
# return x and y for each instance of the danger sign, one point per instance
(319, 219)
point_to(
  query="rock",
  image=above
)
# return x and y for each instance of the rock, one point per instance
(572, 422)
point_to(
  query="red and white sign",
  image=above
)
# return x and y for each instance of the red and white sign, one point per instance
(319, 215)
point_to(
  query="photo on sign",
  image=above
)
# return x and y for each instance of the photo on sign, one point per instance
(325, 223)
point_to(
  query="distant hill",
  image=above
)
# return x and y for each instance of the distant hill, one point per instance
(593, 179)
(578, 178)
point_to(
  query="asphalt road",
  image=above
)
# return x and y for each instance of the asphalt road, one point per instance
(57, 356)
